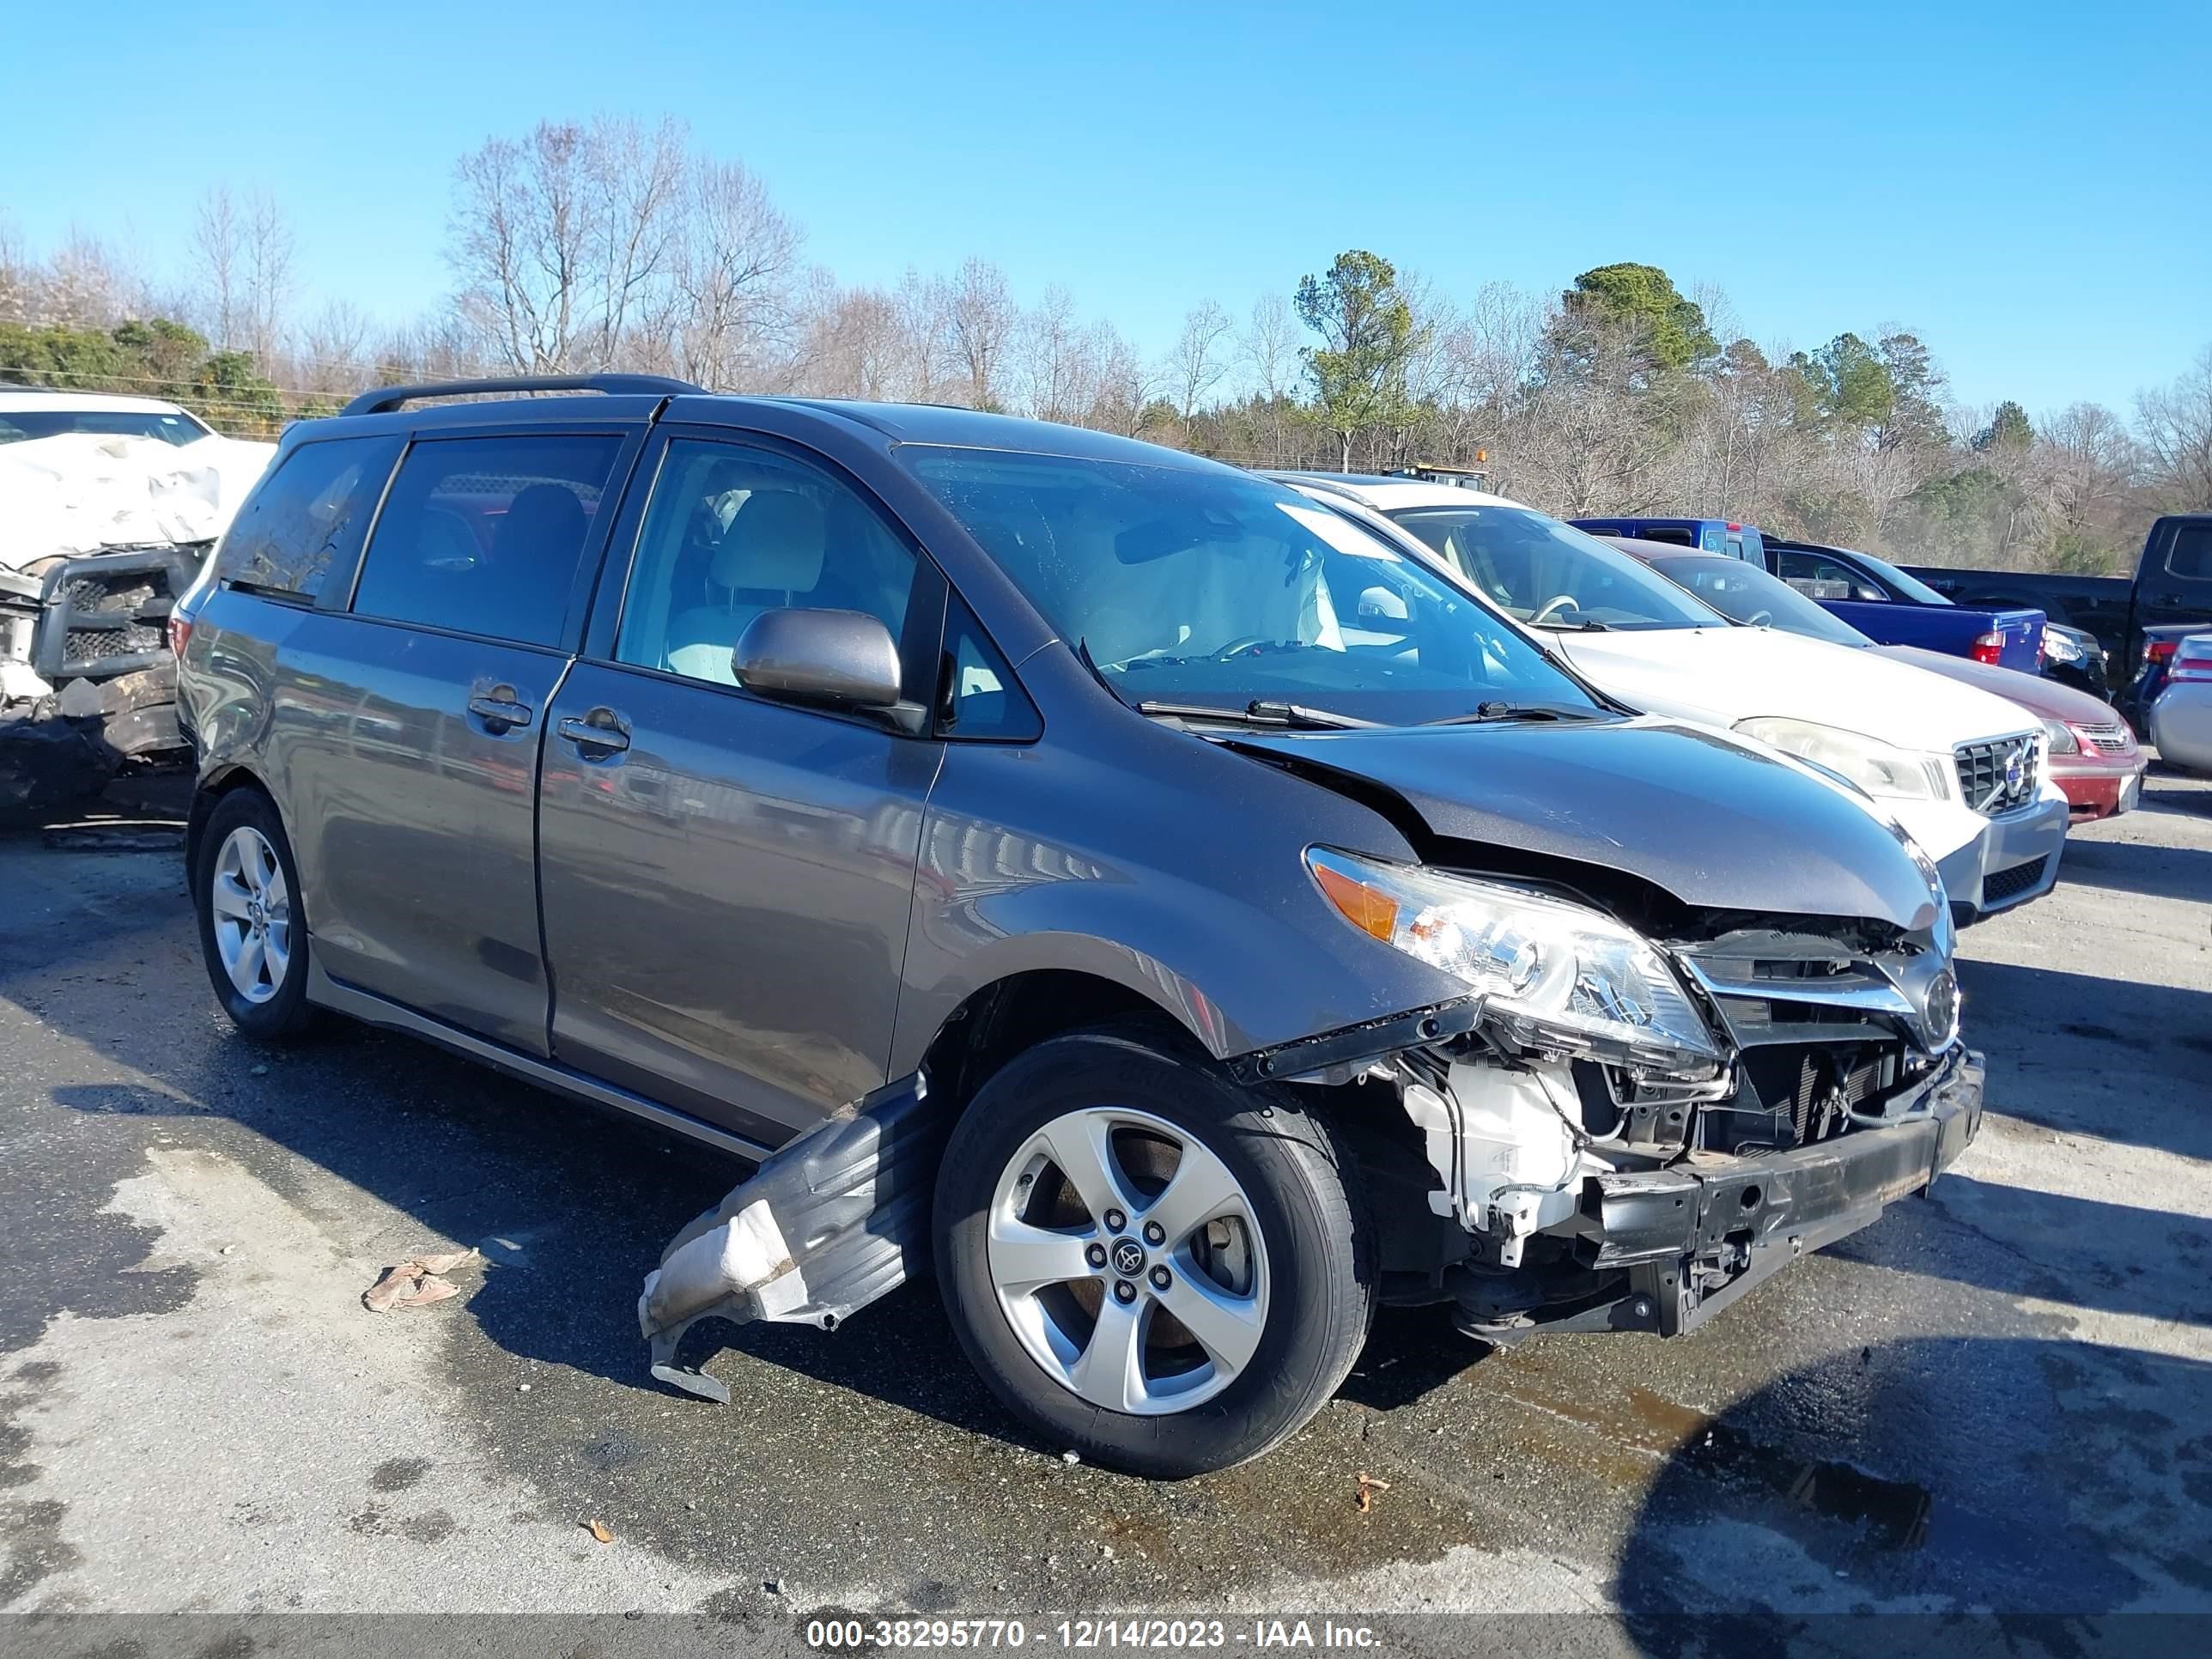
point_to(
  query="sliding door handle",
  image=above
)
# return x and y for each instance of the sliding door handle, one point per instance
(502, 714)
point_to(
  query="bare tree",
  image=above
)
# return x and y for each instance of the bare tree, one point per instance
(87, 285)
(1197, 364)
(241, 253)
(19, 277)
(333, 350)
(1268, 352)
(735, 260)
(268, 273)
(2175, 425)
(559, 242)
(217, 241)
(981, 317)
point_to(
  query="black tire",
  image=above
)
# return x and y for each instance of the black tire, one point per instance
(1303, 1192)
(287, 1014)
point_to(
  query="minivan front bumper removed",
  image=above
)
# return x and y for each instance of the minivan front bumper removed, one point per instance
(1698, 1234)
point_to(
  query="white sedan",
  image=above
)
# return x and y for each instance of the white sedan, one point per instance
(1961, 770)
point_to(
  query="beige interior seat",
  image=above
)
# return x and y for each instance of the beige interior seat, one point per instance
(770, 556)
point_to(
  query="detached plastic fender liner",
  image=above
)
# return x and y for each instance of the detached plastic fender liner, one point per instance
(834, 1219)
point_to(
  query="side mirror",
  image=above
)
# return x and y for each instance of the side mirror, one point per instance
(837, 658)
(1381, 605)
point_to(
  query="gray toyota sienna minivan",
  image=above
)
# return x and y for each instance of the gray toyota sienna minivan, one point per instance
(1166, 907)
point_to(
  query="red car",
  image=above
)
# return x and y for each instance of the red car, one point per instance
(2092, 755)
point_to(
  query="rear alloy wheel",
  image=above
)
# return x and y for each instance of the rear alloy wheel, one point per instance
(252, 931)
(1154, 1266)
(253, 919)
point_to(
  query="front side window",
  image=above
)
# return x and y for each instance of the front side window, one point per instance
(731, 531)
(308, 516)
(979, 696)
(1915, 591)
(485, 535)
(1195, 584)
(1820, 578)
(1551, 575)
(1747, 594)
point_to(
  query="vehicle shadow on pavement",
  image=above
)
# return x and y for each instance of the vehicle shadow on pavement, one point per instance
(2121, 1060)
(2149, 1263)
(2088, 1495)
(2126, 866)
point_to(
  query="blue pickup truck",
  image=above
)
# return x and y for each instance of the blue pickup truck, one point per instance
(1873, 596)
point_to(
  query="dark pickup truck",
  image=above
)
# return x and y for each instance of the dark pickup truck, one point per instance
(2173, 584)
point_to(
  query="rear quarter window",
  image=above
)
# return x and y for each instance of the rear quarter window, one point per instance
(485, 535)
(306, 518)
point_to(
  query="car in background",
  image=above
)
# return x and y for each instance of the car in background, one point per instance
(2090, 753)
(1875, 596)
(1892, 608)
(2159, 646)
(2075, 656)
(1721, 536)
(2170, 588)
(1961, 770)
(2181, 714)
(29, 413)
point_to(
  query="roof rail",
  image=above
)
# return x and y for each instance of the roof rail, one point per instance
(385, 399)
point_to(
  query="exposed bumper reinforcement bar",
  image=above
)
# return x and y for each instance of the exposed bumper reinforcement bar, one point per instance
(1694, 1237)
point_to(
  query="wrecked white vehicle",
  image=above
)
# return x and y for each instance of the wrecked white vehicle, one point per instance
(109, 506)
(1162, 908)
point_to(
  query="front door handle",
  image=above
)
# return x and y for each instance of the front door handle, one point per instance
(601, 729)
(500, 714)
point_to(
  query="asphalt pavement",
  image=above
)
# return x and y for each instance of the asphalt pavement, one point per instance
(1998, 1398)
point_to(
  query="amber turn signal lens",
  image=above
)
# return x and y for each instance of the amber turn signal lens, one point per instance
(1365, 908)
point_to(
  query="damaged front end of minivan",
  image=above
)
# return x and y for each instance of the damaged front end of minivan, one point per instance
(1627, 1132)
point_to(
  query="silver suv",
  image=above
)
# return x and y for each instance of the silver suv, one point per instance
(1164, 906)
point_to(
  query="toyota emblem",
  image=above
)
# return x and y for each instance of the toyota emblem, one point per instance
(1128, 1257)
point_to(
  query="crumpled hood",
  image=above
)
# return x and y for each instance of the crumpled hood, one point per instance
(1717, 824)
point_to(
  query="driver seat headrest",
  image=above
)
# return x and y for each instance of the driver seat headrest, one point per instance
(774, 544)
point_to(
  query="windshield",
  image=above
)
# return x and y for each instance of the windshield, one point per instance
(1750, 595)
(171, 425)
(1914, 589)
(1551, 575)
(1222, 589)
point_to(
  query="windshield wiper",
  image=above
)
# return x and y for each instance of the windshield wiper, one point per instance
(1485, 713)
(1588, 625)
(1260, 712)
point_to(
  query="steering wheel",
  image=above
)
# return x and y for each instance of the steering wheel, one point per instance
(1236, 647)
(1763, 619)
(1553, 606)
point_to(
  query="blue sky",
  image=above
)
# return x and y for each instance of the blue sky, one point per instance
(2026, 186)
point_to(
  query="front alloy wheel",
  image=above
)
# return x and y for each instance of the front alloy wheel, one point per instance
(1151, 1264)
(1126, 1259)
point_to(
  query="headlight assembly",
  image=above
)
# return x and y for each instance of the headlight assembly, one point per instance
(2060, 737)
(1553, 974)
(1877, 768)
